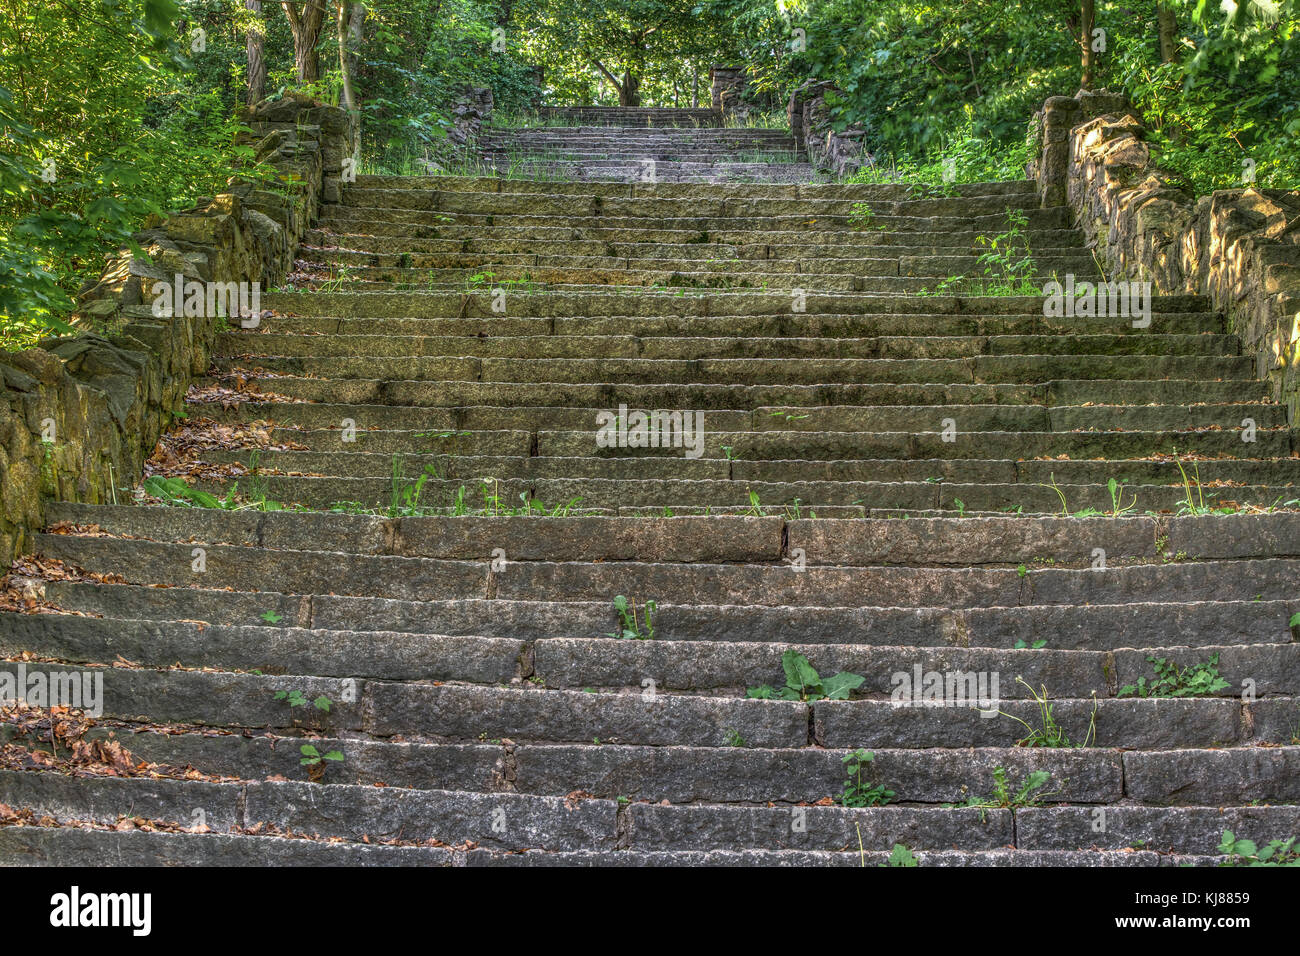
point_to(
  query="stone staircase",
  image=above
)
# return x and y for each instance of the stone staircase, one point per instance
(891, 482)
(629, 116)
(669, 146)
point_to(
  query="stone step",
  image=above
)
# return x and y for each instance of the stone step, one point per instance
(550, 453)
(405, 266)
(355, 248)
(1195, 624)
(755, 328)
(675, 302)
(632, 116)
(922, 216)
(421, 395)
(72, 846)
(1003, 715)
(410, 579)
(864, 541)
(346, 345)
(407, 237)
(395, 428)
(637, 496)
(977, 370)
(505, 204)
(889, 191)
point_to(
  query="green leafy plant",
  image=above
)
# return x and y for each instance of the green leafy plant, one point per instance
(1003, 798)
(296, 698)
(1194, 680)
(901, 856)
(1247, 853)
(311, 755)
(1049, 733)
(803, 683)
(1117, 506)
(857, 792)
(630, 627)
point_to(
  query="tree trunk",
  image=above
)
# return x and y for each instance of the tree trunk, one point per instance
(347, 58)
(629, 90)
(695, 85)
(1168, 23)
(306, 27)
(256, 63)
(1088, 59)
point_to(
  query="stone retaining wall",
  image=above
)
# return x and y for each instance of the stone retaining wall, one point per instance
(81, 414)
(840, 152)
(1240, 247)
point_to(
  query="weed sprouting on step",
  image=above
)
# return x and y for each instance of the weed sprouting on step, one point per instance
(296, 698)
(1117, 506)
(630, 626)
(803, 683)
(862, 217)
(1007, 267)
(1194, 680)
(1247, 853)
(900, 855)
(311, 756)
(1049, 733)
(857, 792)
(1002, 798)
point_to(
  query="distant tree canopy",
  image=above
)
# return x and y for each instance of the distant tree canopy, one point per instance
(112, 109)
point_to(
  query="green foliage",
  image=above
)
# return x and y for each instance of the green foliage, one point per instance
(630, 628)
(1247, 853)
(311, 756)
(1195, 680)
(1049, 733)
(901, 856)
(1003, 798)
(857, 792)
(296, 698)
(99, 127)
(803, 683)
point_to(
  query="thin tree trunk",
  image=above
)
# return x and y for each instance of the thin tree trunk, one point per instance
(256, 63)
(1168, 23)
(1088, 60)
(348, 99)
(695, 85)
(305, 26)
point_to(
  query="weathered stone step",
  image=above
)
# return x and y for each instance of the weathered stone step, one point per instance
(673, 302)
(753, 327)
(1097, 626)
(1067, 677)
(640, 496)
(379, 250)
(510, 279)
(394, 428)
(673, 347)
(680, 173)
(697, 396)
(633, 116)
(887, 191)
(990, 455)
(150, 562)
(506, 204)
(361, 265)
(980, 369)
(72, 846)
(1136, 476)
(924, 218)
(376, 814)
(871, 541)
(383, 236)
